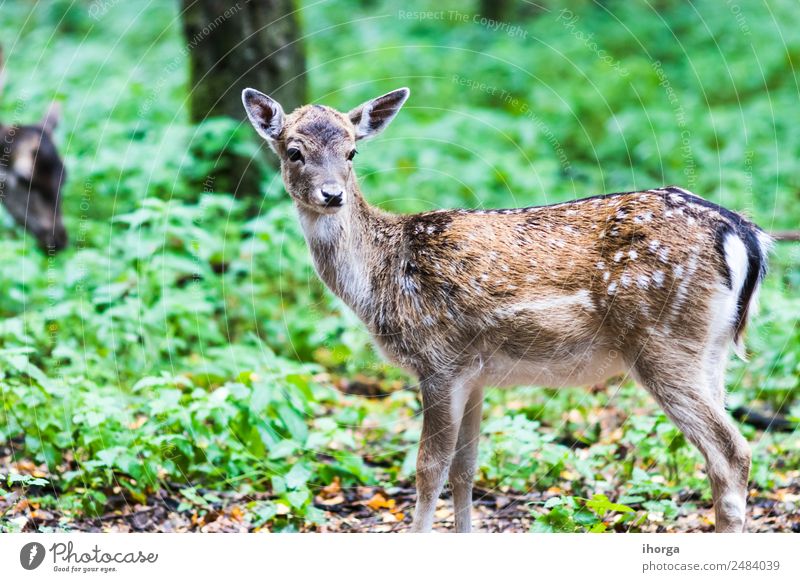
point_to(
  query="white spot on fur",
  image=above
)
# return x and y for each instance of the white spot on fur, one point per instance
(663, 254)
(601, 265)
(580, 299)
(654, 244)
(683, 287)
(618, 256)
(633, 254)
(643, 281)
(612, 288)
(625, 280)
(606, 275)
(658, 278)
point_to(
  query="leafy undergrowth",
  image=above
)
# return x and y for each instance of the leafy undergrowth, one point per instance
(244, 456)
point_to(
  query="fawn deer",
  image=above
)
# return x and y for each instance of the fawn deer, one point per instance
(31, 177)
(655, 283)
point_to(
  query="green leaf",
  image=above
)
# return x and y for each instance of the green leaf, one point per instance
(601, 505)
(297, 499)
(297, 476)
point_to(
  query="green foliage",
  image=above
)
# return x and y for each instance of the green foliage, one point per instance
(183, 341)
(575, 514)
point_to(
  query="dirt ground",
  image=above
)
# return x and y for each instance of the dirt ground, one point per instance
(367, 509)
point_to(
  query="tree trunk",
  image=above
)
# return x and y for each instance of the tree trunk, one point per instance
(234, 45)
(494, 9)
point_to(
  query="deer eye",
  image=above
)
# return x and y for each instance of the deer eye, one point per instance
(352, 154)
(294, 155)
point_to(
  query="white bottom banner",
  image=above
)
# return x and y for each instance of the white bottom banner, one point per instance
(406, 557)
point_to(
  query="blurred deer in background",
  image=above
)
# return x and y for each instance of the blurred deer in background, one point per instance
(31, 177)
(657, 284)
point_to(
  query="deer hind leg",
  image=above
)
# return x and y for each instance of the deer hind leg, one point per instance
(693, 403)
(442, 410)
(462, 470)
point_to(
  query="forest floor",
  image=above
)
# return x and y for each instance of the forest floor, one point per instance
(365, 509)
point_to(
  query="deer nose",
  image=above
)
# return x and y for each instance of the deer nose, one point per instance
(332, 194)
(54, 241)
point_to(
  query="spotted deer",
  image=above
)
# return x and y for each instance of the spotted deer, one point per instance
(657, 284)
(31, 177)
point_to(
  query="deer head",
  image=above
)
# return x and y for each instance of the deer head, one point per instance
(31, 177)
(317, 144)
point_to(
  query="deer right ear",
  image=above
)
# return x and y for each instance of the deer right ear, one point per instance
(264, 113)
(372, 117)
(51, 118)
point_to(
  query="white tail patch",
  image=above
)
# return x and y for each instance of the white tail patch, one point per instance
(737, 261)
(765, 243)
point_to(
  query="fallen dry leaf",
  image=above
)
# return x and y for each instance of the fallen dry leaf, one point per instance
(389, 517)
(337, 500)
(378, 501)
(331, 490)
(236, 513)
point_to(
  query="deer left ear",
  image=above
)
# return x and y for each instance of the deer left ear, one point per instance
(372, 117)
(51, 118)
(265, 114)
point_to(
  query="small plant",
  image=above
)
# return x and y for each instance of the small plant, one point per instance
(568, 514)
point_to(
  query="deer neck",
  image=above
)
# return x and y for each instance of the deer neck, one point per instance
(343, 247)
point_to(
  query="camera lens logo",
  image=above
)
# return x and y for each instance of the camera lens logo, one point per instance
(31, 555)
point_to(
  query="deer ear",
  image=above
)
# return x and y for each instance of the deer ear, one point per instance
(264, 113)
(372, 117)
(51, 118)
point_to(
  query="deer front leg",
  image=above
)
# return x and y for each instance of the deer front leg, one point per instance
(462, 470)
(442, 409)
